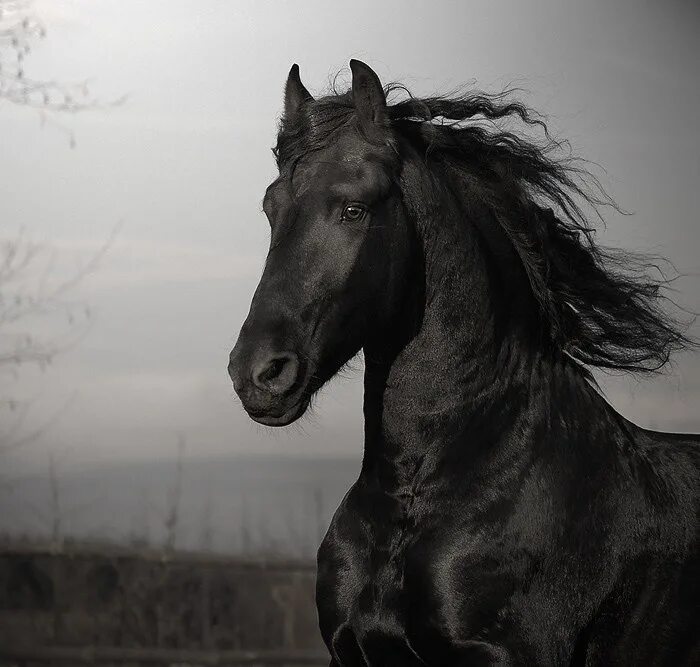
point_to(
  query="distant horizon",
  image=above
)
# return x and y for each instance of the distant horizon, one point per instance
(244, 504)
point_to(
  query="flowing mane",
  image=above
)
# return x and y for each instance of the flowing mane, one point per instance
(600, 306)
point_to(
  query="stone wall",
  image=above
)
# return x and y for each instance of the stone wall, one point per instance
(108, 598)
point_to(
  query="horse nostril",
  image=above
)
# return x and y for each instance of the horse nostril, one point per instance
(273, 369)
(277, 374)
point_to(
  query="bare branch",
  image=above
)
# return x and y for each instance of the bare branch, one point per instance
(20, 30)
(172, 519)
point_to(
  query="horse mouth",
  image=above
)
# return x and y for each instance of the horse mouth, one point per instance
(290, 415)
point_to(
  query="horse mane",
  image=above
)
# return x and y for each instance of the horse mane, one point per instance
(600, 306)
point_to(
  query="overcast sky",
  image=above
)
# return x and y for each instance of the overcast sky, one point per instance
(183, 165)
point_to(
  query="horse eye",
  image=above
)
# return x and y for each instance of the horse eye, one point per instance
(354, 212)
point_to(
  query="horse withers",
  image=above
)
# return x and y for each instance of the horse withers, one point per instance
(505, 513)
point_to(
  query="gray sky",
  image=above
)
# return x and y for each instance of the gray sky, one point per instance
(184, 164)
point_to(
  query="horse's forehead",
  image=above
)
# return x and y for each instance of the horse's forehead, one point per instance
(344, 169)
(348, 167)
(340, 169)
(346, 178)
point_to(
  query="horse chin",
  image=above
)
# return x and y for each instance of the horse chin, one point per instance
(284, 419)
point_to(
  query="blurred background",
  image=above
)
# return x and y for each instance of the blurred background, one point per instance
(135, 150)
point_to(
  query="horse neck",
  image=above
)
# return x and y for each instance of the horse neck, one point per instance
(467, 352)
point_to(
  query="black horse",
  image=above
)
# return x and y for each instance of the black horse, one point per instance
(505, 513)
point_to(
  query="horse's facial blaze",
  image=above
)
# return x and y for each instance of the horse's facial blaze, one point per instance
(337, 225)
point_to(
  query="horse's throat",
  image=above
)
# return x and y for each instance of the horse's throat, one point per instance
(425, 391)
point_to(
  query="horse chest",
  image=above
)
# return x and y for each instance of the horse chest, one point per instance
(381, 582)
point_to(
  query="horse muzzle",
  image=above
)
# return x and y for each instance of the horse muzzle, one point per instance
(269, 382)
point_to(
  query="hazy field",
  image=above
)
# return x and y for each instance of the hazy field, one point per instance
(235, 505)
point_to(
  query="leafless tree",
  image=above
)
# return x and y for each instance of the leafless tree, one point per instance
(20, 30)
(319, 517)
(206, 540)
(32, 300)
(173, 508)
(245, 537)
(50, 513)
(26, 292)
(56, 514)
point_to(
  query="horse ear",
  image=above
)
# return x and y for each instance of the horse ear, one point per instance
(295, 94)
(367, 93)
